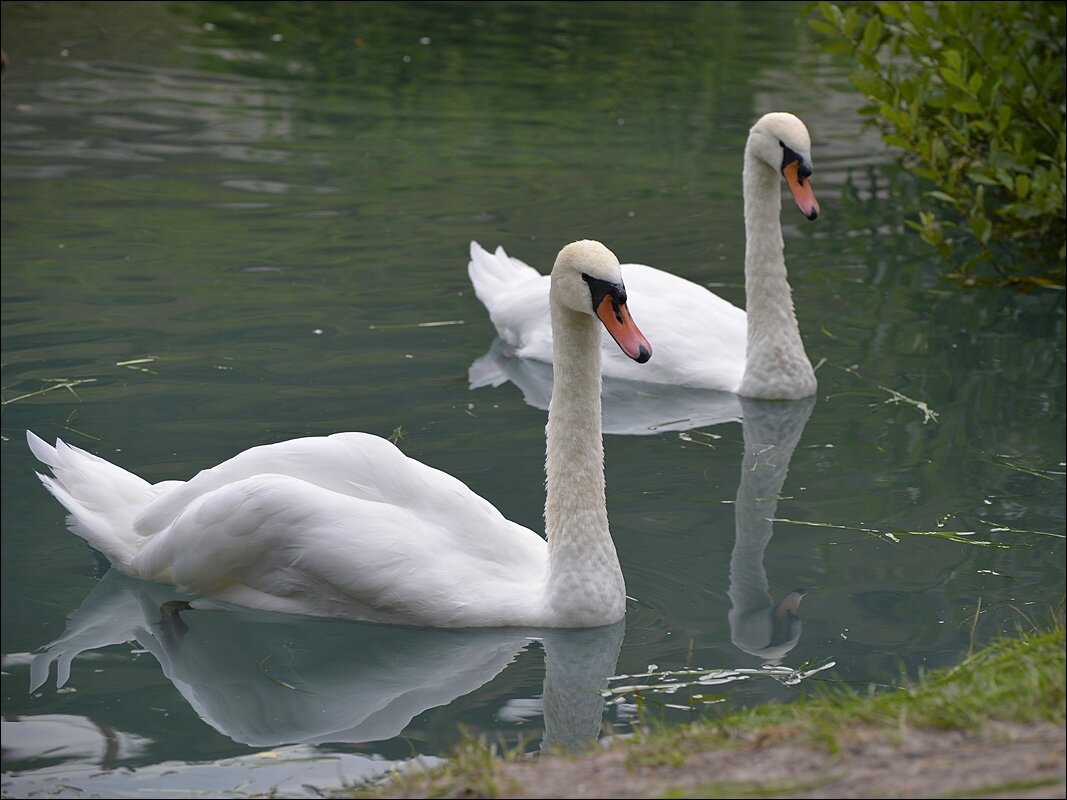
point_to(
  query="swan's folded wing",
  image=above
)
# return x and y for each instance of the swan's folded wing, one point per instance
(699, 337)
(281, 544)
(358, 465)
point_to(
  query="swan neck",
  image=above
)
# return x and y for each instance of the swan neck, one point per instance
(584, 580)
(776, 364)
(765, 273)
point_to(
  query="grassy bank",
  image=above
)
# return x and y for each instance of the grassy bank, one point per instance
(1005, 703)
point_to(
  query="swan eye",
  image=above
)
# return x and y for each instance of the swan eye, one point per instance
(790, 156)
(599, 289)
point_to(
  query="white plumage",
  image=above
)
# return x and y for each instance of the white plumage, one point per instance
(348, 526)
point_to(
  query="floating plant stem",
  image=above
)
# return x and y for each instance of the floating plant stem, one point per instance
(998, 528)
(55, 383)
(136, 364)
(407, 325)
(895, 397)
(895, 536)
(669, 682)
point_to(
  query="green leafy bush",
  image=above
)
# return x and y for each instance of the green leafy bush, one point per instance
(974, 94)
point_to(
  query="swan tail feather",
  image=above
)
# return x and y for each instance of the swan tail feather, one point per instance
(493, 275)
(102, 499)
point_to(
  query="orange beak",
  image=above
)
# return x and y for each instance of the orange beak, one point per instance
(616, 318)
(802, 192)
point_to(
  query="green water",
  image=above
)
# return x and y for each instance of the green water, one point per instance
(229, 224)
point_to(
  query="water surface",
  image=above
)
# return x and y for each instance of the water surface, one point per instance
(232, 224)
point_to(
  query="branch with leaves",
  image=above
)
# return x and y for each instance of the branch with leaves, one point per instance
(974, 95)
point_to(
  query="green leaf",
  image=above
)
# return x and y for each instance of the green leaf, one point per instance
(836, 47)
(892, 9)
(938, 151)
(824, 28)
(868, 83)
(917, 14)
(952, 77)
(851, 20)
(909, 90)
(942, 196)
(832, 13)
(968, 106)
(982, 228)
(1022, 185)
(869, 62)
(918, 45)
(872, 34)
(897, 141)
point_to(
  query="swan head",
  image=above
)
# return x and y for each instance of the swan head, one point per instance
(782, 141)
(587, 279)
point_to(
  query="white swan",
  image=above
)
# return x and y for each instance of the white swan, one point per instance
(701, 340)
(348, 526)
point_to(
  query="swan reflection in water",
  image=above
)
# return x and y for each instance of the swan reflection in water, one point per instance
(268, 679)
(759, 625)
(629, 408)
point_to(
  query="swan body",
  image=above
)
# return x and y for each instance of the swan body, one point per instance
(348, 526)
(702, 340)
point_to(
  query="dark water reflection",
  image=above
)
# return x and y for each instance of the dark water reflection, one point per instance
(232, 224)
